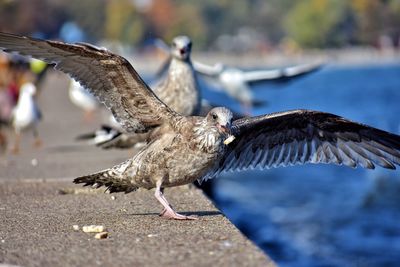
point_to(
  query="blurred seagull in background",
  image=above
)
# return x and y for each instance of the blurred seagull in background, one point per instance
(182, 149)
(237, 83)
(26, 115)
(83, 99)
(179, 88)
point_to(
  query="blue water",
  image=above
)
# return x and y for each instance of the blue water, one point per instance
(322, 215)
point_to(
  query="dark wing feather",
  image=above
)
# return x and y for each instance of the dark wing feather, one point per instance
(302, 136)
(107, 76)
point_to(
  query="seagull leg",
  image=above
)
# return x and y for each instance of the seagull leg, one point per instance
(15, 149)
(3, 142)
(168, 212)
(88, 116)
(38, 142)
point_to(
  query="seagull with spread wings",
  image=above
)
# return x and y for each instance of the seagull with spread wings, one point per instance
(183, 149)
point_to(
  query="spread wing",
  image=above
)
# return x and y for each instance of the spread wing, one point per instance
(256, 76)
(109, 77)
(302, 136)
(207, 70)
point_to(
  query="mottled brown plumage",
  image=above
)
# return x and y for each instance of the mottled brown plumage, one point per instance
(182, 149)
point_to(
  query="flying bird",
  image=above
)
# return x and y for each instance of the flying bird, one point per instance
(26, 115)
(183, 149)
(237, 83)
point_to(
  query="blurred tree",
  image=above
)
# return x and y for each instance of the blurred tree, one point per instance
(31, 16)
(224, 16)
(305, 23)
(123, 22)
(161, 15)
(89, 15)
(317, 23)
(190, 22)
(369, 19)
(268, 18)
(393, 26)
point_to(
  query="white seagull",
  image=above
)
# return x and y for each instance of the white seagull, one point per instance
(237, 83)
(26, 114)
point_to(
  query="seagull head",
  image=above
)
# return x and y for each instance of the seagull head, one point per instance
(221, 118)
(181, 47)
(28, 89)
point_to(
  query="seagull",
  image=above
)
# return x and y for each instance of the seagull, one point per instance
(82, 99)
(236, 82)
(179, 89)
(26, 114)
(183, 149)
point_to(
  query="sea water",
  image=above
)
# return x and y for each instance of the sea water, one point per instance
(323, 215)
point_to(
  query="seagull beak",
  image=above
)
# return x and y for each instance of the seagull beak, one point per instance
(224, 129)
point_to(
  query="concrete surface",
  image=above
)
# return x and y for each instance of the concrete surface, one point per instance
(39, 206)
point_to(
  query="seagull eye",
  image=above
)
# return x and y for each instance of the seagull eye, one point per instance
(214, 116)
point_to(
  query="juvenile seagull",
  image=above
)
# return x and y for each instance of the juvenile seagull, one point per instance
(26, 114)
(187, 148)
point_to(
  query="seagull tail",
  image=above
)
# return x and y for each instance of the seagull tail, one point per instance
(108, 179)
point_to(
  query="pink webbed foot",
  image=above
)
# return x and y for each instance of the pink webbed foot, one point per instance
(168, 212)
(171, 214)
